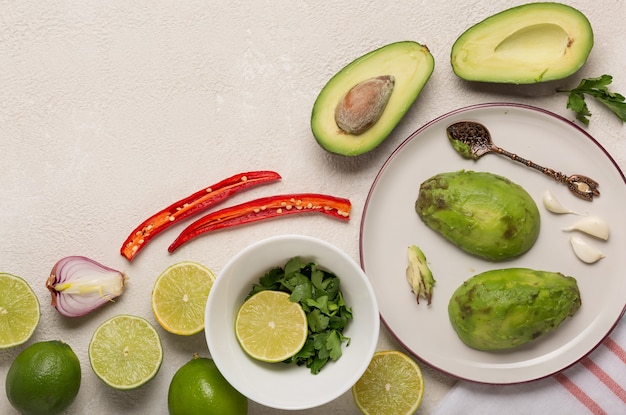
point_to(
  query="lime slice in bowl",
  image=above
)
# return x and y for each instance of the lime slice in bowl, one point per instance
(270, 327)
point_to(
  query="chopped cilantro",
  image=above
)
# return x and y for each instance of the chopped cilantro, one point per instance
(596, 88)
(318, 292)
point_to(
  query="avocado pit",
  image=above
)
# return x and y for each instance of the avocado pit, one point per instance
(360, 108)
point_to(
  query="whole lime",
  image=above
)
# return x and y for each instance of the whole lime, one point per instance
(44, 378)
(199, 388)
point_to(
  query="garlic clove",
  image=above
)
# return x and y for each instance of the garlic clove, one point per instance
(419, 275)
(591, 225)
(584, 251)
(553, 205)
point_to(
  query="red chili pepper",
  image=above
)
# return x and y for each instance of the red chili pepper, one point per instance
(265, 208)
(201, 200)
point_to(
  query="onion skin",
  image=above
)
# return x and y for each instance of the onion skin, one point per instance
(79, 285)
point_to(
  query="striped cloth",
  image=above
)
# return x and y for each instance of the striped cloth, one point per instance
(595, 385)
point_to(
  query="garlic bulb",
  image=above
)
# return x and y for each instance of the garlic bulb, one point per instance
(584, 251)
(553, 205)
(591, 225)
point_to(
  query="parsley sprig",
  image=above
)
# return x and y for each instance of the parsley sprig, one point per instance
(596, 88)
(318, 292)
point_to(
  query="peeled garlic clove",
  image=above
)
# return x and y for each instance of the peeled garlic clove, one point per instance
(591, 225)
(553, 205)
(584, 251)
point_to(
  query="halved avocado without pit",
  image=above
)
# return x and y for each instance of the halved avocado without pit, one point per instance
(531, 43)
(392, 76)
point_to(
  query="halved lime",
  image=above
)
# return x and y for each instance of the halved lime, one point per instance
(179, 297)
(392, 385)
(270, 327)
(19, 311)
(125, 352)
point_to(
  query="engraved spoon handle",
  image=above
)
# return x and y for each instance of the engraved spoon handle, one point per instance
(556, 175)
(582, 186)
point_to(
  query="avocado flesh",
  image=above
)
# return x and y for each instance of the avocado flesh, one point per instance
(532, 43)
(411, 65)
(505, 308)
(482, 213)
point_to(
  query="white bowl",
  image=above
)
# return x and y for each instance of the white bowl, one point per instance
(280, 385)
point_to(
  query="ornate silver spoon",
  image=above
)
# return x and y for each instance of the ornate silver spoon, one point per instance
(472, 140)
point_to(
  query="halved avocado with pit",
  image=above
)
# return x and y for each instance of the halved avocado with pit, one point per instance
(527, 44)
(408, 63)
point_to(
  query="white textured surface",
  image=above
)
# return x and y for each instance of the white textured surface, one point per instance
(110, 111)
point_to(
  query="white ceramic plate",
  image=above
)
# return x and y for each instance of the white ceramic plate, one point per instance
(390, 224)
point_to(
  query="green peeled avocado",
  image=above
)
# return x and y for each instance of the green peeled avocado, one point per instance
(527, 44)
(482, 213)
(505, 308)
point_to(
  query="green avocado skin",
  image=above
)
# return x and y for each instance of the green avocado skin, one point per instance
(505, 308)
(482, 213)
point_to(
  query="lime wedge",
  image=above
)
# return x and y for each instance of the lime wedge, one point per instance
(392, 385)
(19, 311)
(270, 327)
(125, 352)
(179, 297)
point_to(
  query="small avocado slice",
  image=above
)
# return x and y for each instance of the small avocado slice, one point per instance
(527, 44)
(408, 64)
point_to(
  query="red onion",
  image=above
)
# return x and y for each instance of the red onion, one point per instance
(80, 285)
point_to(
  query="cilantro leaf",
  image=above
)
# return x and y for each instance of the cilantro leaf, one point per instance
(295, 264)
(301, 288)
(306, 353)
(321, 304)
(316, 364)
(271, 277)
(338, 322)
(598, 89)
(317, 321)
(333, 344)
(317, 279)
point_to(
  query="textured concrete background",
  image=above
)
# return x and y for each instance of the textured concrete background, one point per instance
(112, 110)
